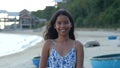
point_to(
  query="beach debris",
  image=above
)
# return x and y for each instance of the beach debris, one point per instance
(92, 43)
(112, 37)
(114, 40)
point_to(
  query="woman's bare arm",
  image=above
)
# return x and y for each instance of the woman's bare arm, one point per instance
(45, 54)
(80, 55)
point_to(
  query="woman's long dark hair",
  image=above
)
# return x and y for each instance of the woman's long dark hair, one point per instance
(51, 32)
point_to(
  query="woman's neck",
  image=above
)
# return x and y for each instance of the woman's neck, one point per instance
(62, 39)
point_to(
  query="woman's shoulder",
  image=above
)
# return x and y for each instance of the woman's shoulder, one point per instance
(48, 43)
(79, 48)
(78, 44)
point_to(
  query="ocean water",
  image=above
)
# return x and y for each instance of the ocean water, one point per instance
(13, 43)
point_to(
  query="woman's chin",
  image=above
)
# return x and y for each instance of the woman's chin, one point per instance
(63, 34)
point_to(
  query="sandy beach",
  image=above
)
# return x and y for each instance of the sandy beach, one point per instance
(24, 59)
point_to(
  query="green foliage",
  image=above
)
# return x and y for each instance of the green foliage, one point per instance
(79, 22)
(47, 13)
(89, 13)
(111, 16)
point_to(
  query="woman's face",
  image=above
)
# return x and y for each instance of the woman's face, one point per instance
(63, 25)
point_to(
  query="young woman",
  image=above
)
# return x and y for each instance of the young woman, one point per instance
(61, 49)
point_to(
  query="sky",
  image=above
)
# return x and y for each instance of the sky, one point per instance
(30, 5)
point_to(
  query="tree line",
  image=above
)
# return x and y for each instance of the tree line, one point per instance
(88, 13)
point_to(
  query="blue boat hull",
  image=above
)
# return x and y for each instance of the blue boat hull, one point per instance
(106, 61)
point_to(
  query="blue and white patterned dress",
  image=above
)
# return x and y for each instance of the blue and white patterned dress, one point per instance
(58, 61)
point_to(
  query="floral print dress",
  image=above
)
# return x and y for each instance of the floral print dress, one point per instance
(58, 61)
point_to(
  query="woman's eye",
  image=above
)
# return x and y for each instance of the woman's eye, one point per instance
(59, 23)
(66, 22)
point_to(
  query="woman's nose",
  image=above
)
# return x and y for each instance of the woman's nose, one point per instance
(62, 25)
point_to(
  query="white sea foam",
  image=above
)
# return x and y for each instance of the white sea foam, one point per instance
(13, 43)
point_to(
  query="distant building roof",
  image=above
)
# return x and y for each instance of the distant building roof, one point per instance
(3, 11)
(13, 13)
(24, 11)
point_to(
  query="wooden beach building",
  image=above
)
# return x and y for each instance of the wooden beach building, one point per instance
(28, 21)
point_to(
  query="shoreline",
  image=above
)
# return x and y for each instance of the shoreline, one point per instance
(14, 43)
(21, 59)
